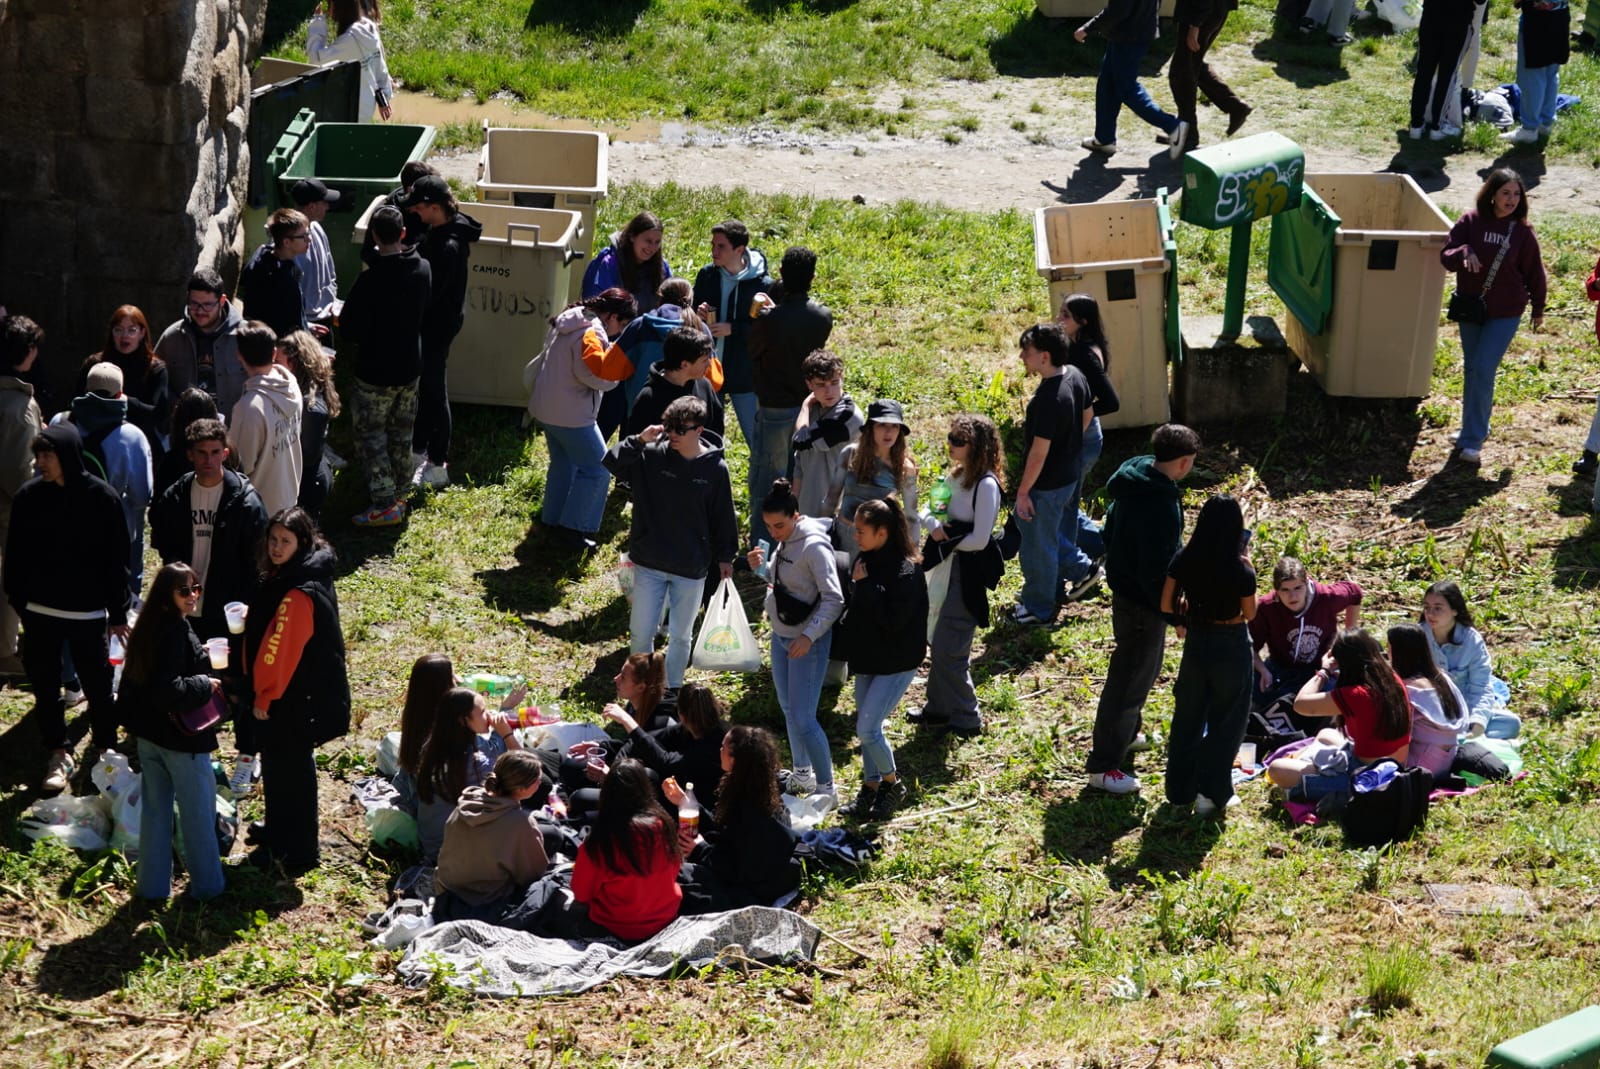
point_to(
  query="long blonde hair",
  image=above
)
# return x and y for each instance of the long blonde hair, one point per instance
(311, 367)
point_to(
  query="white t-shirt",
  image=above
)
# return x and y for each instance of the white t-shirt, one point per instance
(203, 502)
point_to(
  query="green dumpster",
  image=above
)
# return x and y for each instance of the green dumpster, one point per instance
(280, 90)
(361, 161)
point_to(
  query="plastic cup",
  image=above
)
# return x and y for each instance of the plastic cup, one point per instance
(217, 649)
(689, 819)
(236, 611)
(1247, 757)
(114, 650)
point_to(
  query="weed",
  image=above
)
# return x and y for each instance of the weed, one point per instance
(969, 123)
(951, 137)
(1019, 125)
(13, 952)
(1566, 695)
(1393, 975)
(1561, 777)
(1197, 912)
(952, 1043)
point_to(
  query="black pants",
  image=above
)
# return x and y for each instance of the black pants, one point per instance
(1141, 637)
(1190, 74)
(431, 432)
(1439, 45)
(46, 637)
(289, 793)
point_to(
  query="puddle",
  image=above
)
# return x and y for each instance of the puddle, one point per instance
(422, 108)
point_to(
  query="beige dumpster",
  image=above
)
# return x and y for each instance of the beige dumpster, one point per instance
(1116, 252)
(517, 279)
(1388, 286)
(561, 169)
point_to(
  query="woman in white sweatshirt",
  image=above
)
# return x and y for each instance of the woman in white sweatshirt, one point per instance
(357, 39)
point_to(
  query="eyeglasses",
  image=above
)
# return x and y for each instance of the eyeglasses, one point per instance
(959, 439)
(302, 236)
(690, 429)
(203, 306)
(186, 591)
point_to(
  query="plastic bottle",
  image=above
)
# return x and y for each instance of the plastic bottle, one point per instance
(939, 500)
(689, 811)
(625, 576)
(532, 716)
(765, 571)
(489, 684)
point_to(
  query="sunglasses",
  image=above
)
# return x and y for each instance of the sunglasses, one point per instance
(690, 429)
(185, 591)
(959, 439)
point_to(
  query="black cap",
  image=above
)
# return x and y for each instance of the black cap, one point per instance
(429, 189)
(310, 190)
(886, 411)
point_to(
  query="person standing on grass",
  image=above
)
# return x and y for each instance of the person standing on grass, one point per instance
(1494, 254)
(875, 465)
(723, 290)
(144, 376)
(20, 424)
(1128, 27)
(681, 372)
(829, 421)
(780, 340)
(1199, 23)
(269, 285)
(632, 260)
(1144, 528)
(201, 348)
(266, 421)
(1589, 463)
(319, 284)
(1090, 353)
(1542, 48)
(1441, 39)
(355, 37)
(447, 248)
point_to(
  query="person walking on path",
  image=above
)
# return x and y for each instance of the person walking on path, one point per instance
(1128, 27)
(1199, 22)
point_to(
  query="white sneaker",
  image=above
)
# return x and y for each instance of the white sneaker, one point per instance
(1522, 135)
(436, 475)
(335, 461)
(1471, 456)
(1140, 743)
(1546, 131)
(1114, 782)
(824, 799)
(1416, 132)
(802, 781)
(1444, 132)
(1204, 807)
(245, 773)
(57, 771)
(72, 698)
(1103, 148)
(1179, 141)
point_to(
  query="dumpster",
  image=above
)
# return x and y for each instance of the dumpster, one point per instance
(561, 169)
(1121, 254)
(1357, 265)
(280, 90)
(518, 277)
(361, 161)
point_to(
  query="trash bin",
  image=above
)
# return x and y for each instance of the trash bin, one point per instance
(1357, 265)
(280, 90)
(561, 169)
(361, 161)
(518, 278)
(1120, 253)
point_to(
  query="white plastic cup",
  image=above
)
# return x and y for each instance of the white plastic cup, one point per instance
(114, 651)
(217, 648)
(236, 611)
(1247, 757)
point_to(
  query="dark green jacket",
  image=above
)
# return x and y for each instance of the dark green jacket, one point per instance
(1143, 530)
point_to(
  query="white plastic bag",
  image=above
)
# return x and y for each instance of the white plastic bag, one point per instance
(119, 784)
(938, 588)
(625, 575)
(389, 755)
(1401, 15)
(81, 823)
(726, 643)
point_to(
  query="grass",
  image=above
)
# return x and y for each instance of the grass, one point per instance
(1030, 922)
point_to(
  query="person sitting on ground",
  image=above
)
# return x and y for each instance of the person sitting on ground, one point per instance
(1459, 649)
(493, 848)
(875, 465)
(1438, 710)
(432, 676)
(1368, 697)
(828, 423)
(743, 854)
(456, 756)
(686, 750)
(681, 372)
(640, 684)
(627, 869)
(1296, 623)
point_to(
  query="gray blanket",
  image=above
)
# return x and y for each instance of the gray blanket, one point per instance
(490, 960)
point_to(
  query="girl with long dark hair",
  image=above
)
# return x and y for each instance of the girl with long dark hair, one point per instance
(1357, 685)
(1090, 353)
(454, 758)
(875, 465)
(432, 676)
(627, 868)
(1459, 649)
(1438, 710)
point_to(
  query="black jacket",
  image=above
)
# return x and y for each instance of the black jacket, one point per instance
(176, 682)
(68, 545)
(885, 626)
(315, 707)
(270, 290)
(1143, 530)
(752, 859)
(683, 519)
(316, 474)
(658, 393)
(672, 751)
(1127, 21)
(236, 533)
(780, 341)
(382, 317)
(448, 249)
(736, 313)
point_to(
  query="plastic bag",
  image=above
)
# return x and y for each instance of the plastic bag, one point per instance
(625, 576)
(726, 643)
(119, 784)
(938, 588)
(393, 826)
(389, 755)
(81, 823)
(1401, 15)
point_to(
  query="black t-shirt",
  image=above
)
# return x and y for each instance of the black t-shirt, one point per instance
(1213, 593)
(1056, 414)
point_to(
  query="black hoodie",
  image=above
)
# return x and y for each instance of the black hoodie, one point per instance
(683, 519)
(447, 249)
(383, 317)
(1143, 530)
(68, 545)
(658, 393)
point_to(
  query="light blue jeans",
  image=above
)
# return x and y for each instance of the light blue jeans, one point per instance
(1048, 542)
(681, 596)
(744, 409)
(1483, 345)
(1088, 545)
(876, 698)
(1539, 86)
(769, 458)
(166, 776)
(577, 483)
(799, 686)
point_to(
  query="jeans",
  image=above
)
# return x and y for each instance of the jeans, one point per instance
(1119, 85)
(1482, 347)
(769, 458)
(1140, 634)
(47, 636)
(1210, 707)
(383, 419)
(681, 595)
(1334, 13)
(799, 686)
(166, 776)
(744, 408)
(1049, 541)
(876, 698)
(1539, 86)
(1592, 443)
(1087, 544)
(577, 483)
(430, 433)
(289, 797)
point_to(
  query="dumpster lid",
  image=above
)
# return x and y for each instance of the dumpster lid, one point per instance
(1300, 259)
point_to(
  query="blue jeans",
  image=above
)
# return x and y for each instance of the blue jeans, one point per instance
(681, 595)
(1048, 542)
(1119, 85)
(1088, 544)
(1482, 347)
(744, 409)
(799, 686)
(876, 698)
(166, 776)
(1539, 86)
(769, 458)
(1210, 707)
(577, 483)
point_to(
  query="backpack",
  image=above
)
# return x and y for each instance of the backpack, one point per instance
(1391, 813)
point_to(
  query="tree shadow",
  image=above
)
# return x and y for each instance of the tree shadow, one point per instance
(1086, 827)
(1575, 565)
(1447, 495)
(606, 21)
(1301, 63)
(1527, 161)
(1037, 47)
(1174, 845)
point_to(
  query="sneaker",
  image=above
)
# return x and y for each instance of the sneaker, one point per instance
(1205, 807)
(1140, 743)
(1522, 135)
(1307, 27)
(72, 695)
(389, 516)
(1085, 586)
(1023, 618)
(57, 772)
(1179, 142)
(1587, 465)
(1114, 782)
(1104, 148)
(923, 717)
(1547, 130)
(1236, 119)
(824, 799)
(245, 773)
(1339, 40)
(1163, 139)
(335, 461)
(436, 475)
(1444, 132)
(860, 807)
(1416, 132)
(889, 798)
(1471, 456)
(801, 782)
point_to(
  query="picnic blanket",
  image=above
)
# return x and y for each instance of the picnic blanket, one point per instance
(490, 960)
(1505, 749)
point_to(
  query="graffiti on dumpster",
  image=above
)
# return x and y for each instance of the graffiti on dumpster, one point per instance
(493, 300)
(1257, 193)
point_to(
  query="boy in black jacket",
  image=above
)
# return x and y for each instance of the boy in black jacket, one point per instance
(269, 285)
(681, 372)
(383, 317)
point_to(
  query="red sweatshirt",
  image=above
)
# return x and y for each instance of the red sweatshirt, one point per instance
(629, 905)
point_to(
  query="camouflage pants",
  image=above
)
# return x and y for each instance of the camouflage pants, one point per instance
(383, 417)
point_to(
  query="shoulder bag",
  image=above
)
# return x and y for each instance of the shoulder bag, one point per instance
(1471, 307)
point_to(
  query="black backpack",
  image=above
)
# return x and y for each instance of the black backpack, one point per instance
(1391, 814)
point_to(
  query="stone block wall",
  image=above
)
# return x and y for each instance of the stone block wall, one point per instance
(123, 159)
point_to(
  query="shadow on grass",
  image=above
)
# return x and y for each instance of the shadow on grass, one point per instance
(1446, 495)
(1575, 564)
(613, 19)
(1174, 845)
(1305, 63)
(1037, 47)
(1086, 826)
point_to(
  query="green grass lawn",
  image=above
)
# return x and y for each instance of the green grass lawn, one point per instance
(1021, 921)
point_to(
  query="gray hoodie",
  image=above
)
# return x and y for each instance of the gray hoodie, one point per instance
(491, 848)
(806, 566)
(265, 429)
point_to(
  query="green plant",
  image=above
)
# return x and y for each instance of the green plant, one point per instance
(1393, 976)
(1567, 694)
(1197, 912)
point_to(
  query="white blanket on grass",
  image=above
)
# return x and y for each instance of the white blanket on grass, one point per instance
(490, 960)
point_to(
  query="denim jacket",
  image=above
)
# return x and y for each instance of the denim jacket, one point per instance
(1465, 659)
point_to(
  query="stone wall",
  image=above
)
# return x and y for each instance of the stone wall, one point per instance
(122, 159)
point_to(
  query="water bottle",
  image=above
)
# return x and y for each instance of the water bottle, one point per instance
(939, 500)
(625, 576)
(765, 571)
(531, 716)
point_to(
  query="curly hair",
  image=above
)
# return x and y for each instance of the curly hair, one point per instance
(752, 782)
(986, 457)
(312, 369)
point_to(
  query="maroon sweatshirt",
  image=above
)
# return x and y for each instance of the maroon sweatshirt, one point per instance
(1521, 275)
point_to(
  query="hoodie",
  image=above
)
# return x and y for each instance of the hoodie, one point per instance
(638, 348)
(660, 392)
(20, 422)
(67, 550)
(605, 272)
(266, 437)
(730, 293)
(122, 449)
(269, 288)
(1302, 638)
(447, 249)
(383, 318)
(567, 389)
(492, 849)
(683, 519)
(207, 360)
(1143, 530)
